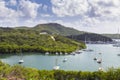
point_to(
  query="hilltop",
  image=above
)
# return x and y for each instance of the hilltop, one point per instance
(53, 28)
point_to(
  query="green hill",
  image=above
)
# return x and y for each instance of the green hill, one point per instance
(90, 37)
(54, 28)
(14, 40)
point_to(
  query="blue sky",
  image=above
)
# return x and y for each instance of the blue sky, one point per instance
(99, 16)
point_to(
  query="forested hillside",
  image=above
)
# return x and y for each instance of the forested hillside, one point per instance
(14, 40)
(90, 37)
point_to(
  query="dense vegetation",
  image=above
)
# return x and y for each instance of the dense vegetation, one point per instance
(18, 72)
(90, 37)
(27, 40)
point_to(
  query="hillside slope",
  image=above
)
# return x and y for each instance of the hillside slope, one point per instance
(54, 28)
(15, 40)
(90, 37)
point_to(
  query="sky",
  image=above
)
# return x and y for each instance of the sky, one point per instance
(98, 16)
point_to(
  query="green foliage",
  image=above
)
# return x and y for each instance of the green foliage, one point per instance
(54, 28)
(18, 72)
(46, 75)
(90, 37)
(28, 40)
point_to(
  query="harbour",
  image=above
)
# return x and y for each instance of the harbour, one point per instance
(78, 62)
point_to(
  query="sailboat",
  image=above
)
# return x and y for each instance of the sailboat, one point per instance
(100, 67)
(95, 58)
(117, 44)
(99, 61)
(118, 54)
(65, 59)
(87, 50)
(21, 59)
(56, 67)
(47, 53)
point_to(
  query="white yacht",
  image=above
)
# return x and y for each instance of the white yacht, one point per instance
(47, 53)
(100, 69)
(20, 61)
(116, 45)
(65, 59)
(88, 50)
(78, 52)
(56, 67)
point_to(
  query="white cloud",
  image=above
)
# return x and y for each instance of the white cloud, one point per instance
(46, 15)
(32, 23)
(45, 7)
(90, 8)
(89, 15)
(97, 15)
(12, 17)
(7, 15)
(13, 2)
(69, 7)
(106, 8)
(29, 9)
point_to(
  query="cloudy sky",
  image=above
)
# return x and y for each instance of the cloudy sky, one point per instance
(99, 16)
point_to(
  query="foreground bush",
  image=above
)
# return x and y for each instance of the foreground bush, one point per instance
(18, 72)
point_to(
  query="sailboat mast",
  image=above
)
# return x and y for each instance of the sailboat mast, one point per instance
(56, 61)
(85, 39)
(117, 33)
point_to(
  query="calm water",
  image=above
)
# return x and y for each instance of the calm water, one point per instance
(83, 61)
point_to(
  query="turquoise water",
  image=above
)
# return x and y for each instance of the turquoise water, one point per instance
(83, 61)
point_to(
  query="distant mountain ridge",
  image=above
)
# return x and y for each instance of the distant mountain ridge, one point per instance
(90, 37)
(113, 36)
(55, 28)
